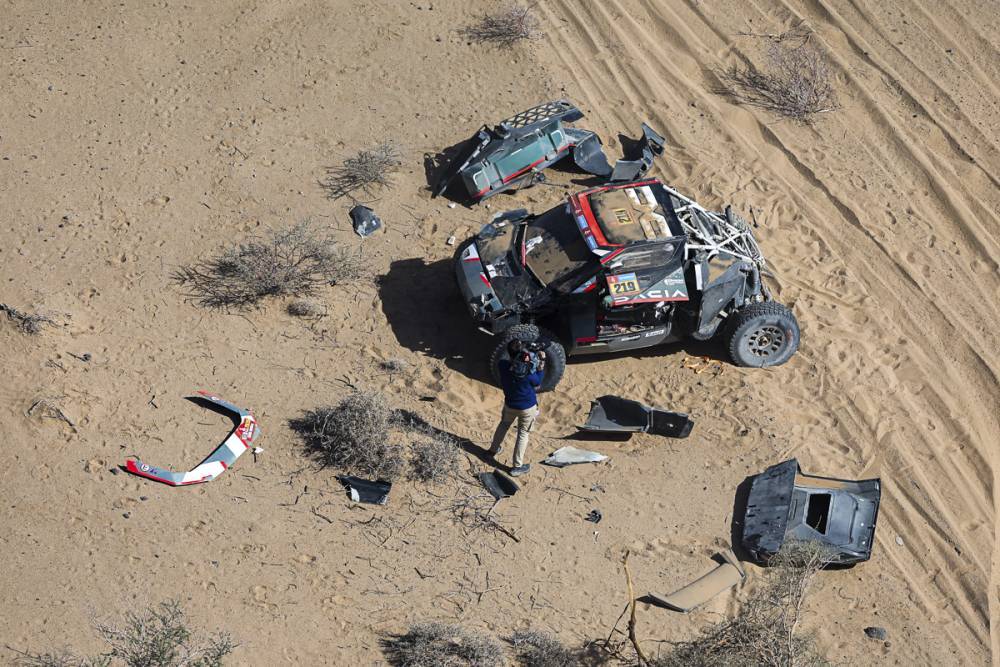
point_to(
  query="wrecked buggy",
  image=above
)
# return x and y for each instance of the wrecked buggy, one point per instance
(623, 267)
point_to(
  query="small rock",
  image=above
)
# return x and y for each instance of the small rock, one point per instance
(126, 514)
(86, 356)
(875, 632)
(451, 240)
(143, 498)
(452, 205)
(899, 540)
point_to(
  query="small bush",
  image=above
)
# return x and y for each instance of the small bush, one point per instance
(394, 365)
(154, 637)
(434, 459)
(354, 435)
(304, 308)
(442, 645)
(797, 83)
(764, 632)
(538, 649)
(290, 262)
(368, 171)
(28, 323)
(506, 28)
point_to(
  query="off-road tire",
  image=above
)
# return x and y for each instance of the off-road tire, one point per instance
(555, 353)
(762, 334)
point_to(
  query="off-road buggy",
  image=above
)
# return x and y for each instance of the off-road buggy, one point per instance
(623, 267)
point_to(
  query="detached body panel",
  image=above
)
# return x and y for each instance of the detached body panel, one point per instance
(239, 441)
(786, 504)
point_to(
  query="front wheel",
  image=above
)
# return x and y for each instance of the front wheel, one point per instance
(763, 334)
(555, 353)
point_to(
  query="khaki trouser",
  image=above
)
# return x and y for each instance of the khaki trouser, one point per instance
(525, 422)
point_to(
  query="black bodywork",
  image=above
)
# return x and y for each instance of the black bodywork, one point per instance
(613, 414)
(785, 504)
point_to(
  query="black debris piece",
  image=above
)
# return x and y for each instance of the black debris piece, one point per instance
(364, 220)
(366, 491)
(499, 484)
(635, 165)
(875, 632)
(785, 504)
(621, 415)
(594, 516)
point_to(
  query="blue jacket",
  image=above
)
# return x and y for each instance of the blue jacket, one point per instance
(519, 393)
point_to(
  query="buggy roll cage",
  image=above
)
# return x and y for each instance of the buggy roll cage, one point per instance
(715, 234)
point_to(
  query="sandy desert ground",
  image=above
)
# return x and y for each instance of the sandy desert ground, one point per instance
(137, 137)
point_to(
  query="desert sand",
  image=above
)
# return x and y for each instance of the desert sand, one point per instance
(136, 137)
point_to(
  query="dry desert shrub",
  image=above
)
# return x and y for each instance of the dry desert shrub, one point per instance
(512, 24)
(538, 649)
(394, 365)
(354, 435)
(295, 261)
(157, 636)
(434, 459)
(369, 171)
(304, 308)
(797, 82)
(429, 644)
(28, 323)
(764, 632)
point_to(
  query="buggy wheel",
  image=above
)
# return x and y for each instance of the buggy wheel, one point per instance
(763, 334)
(555, 353)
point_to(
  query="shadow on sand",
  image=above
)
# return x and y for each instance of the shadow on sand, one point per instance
(425, 312)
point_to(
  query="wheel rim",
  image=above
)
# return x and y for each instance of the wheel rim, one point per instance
(766, 341)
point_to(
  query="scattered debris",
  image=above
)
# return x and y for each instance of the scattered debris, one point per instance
(727, 574)
(364, 220)
(366, 491)
(512, 153)
(637, 163)
(899, 540)
(565, 456)
(595, 516)
(515, 152)
(875, 632)
(622, 415)
(29, 323)
(499, 484)
(785, 504)
(239, 441)
(701, 364)
(49, 408)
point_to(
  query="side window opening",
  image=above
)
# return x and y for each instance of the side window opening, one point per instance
(818, 511)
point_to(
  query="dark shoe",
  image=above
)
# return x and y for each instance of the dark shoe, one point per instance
(520, 470)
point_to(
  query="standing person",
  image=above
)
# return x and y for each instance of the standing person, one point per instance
(519, 377)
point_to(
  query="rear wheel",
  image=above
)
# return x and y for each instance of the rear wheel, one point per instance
(763, 334)
(555, 353)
